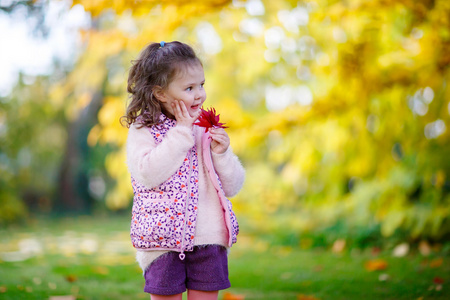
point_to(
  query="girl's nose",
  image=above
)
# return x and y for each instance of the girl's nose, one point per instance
(198, 94)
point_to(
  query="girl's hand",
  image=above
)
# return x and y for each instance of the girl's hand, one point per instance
(182, 115)
(220, 140)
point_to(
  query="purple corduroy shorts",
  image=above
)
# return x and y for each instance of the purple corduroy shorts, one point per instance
(203, 269)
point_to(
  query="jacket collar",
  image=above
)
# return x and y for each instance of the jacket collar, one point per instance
(166, 122)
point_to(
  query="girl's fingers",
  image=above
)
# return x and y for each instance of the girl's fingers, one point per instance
(182, 114)
(183, 109)
(218, 136)
(221, 139)
(218, 132)
(180, 108)
(218, 147)
(176, 109)
(222, 142)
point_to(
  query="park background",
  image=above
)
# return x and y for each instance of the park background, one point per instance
(339, 111)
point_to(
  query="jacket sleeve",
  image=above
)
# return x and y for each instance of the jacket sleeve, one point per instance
(151, 164)
(230, 171)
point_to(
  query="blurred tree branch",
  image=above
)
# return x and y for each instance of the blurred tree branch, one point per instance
(32, 8)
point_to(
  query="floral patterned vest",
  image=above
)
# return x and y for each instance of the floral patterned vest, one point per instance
(164, 217)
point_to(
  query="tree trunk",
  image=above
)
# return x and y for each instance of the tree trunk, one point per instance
(73, 185)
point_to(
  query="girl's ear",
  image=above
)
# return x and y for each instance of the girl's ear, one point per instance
(158, 92)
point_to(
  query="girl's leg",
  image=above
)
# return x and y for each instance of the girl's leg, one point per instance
(161, 297)
(202, 295)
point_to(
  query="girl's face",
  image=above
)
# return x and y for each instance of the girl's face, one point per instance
(187, 86)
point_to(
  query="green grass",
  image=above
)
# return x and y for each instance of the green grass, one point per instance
(328, 276)
(93, 259)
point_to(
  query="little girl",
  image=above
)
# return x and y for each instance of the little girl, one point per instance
(182, 223)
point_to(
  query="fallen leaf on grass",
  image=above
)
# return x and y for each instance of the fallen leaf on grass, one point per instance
(401, 250)
(383, 277)
(230, 296)
(437, 287)
(436, 263)
(100, 270)
(338, 246)
(71, 278)
(375, 251)
(438, 280)
(68, 297)
(376, 265)
(424, 248)
(52, 285)
(306, 297)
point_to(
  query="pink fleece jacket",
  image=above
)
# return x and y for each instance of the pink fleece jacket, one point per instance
(151, 164)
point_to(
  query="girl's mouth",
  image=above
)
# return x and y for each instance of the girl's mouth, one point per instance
(195, 106)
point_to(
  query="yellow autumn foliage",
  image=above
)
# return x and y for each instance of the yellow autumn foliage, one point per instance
(338, 110)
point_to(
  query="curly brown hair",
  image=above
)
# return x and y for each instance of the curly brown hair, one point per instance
(156, 67)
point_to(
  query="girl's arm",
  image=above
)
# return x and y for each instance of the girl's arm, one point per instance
(152, 164)
(228, 167)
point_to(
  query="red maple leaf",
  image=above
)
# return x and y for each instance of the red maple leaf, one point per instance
(438, 280)
(208, 119)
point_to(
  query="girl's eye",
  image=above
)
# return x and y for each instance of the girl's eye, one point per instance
(189, 89)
